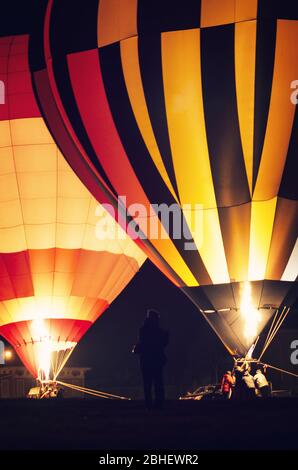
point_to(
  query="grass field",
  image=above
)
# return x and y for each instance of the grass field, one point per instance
(104, 424)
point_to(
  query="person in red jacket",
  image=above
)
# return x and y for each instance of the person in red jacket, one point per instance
(227, 384)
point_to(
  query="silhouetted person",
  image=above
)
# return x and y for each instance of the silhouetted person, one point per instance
(152, 342)
(245, 386)
(249, 385)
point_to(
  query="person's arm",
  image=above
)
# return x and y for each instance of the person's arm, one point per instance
(230, 380)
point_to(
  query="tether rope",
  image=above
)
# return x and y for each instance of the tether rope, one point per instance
(269, 332)
(279, 369)
(93, 392)
(274, 329)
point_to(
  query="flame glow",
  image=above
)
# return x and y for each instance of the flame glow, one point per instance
(43, 353)
(46, 348)
(249, 313)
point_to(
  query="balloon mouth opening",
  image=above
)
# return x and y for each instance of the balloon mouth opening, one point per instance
(251, 316)
(239, 325)
(50, 354)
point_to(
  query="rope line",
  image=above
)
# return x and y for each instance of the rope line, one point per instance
(82, 390)
(278, 323)
(280, 370)
(98, 395)
(275, 329)
(93, 392)
(269, 332)
(98, 391)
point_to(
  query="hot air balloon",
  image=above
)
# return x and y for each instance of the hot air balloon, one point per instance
(57, 274)
(189, 104)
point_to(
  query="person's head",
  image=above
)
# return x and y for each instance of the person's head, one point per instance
(259, 371)
(229, 372)
(152, 316)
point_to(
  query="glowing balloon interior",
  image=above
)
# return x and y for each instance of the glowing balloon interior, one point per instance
(56, 276)
(187, 103)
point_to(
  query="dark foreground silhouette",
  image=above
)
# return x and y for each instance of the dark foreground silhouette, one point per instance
(103, 424)
(151, 350)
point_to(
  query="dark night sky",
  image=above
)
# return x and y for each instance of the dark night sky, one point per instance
(194, 350)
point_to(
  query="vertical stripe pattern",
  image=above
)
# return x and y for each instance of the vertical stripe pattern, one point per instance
(189, 103)
(58, 270)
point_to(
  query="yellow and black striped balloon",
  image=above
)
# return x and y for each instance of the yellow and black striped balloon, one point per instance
(188, 102)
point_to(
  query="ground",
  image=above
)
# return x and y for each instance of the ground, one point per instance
(105, 424)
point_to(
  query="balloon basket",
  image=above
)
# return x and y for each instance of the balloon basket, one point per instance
(45, 389)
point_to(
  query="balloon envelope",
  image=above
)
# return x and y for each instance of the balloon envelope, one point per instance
(188, 103)
(57, 273)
